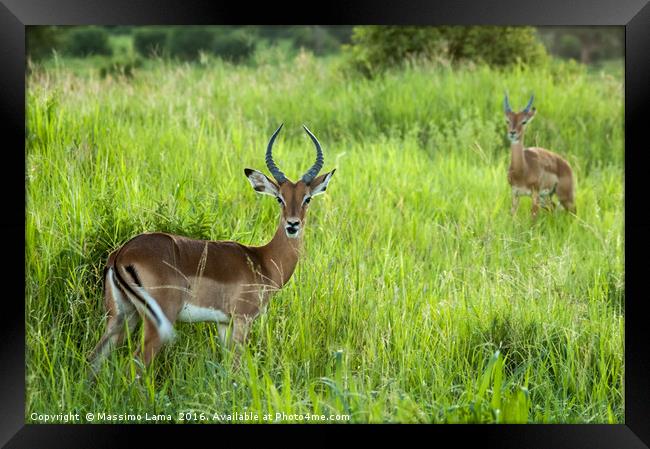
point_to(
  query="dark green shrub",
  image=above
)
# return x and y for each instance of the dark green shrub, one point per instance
(569, 47)
(83, 42)
(41, 40)
(236, 46)
(584, 44)
(342, 33)
(187, 42)
(494, 45)
(376, 48)
(120, 67)
(119, 30)
(149, 42)
(315, 38)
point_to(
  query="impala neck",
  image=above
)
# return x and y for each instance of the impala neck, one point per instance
(518, 163)
(281, 255)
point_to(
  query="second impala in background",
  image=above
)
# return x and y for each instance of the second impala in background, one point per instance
(535, 171)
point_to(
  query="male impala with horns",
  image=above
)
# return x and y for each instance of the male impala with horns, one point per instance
(165, 277)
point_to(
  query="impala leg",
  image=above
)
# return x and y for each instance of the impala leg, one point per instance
(535, 209)
(566, 194)
(112, 338)
(131, 322)
(571, 207)
(240, 330)
(170, 302)
(120, 310)
(113, 326)
(151, 345)
(241, 325)
(236, 338)
(515, 204)
(223, 332)
(547, 202)
(551, 203)
(106, 343)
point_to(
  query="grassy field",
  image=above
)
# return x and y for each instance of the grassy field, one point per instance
(419, 298)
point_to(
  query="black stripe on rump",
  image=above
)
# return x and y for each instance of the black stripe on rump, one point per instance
(134, 274)
(131, 270)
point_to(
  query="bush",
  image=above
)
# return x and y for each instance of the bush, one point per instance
(569, 47)
(83, 42)
(376, 48)
(315, 38)
(235, 47)
(120, 68)
(42, 40)
(187, 42)
(494, 45)
(150, 42)
(585, 44)
(119, 30)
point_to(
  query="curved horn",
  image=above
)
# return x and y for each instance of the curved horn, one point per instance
(275, 171)
(530, 103)
(506, 104)
(313, 171)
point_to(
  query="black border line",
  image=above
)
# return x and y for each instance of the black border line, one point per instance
(633, 14)
(637, 224)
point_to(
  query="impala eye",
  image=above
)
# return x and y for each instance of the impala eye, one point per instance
(524, 122)
(279, 200)
(307, 200)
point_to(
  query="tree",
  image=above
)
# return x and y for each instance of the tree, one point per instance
(186, 42)
(376, 48)
(150, 41)
(42, 40)
(585, 44)
(86, 41)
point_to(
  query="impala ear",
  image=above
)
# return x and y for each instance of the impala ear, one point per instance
(261, 183)
(319, 184)
(529, 116)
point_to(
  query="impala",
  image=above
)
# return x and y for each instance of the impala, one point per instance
(535, 171)
(166, 278)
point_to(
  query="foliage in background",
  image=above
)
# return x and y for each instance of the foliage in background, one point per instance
(317, 39)
(42, 40)
(120, 67)
(585, 44)
(87, 41)
(236, 46)
(150, 41)
(377, 48)
(187, 42)
(494, 45)
(230, 42)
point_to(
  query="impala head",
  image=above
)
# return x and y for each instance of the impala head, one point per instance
(292, 197)
(518, 120)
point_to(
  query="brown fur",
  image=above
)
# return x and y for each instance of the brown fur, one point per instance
(226, 276)
(537, 170)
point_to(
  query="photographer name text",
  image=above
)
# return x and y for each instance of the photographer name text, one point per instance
(183, 417)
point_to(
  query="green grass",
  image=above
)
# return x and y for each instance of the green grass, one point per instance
(419, 298)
